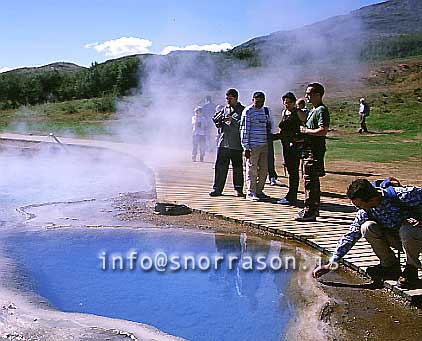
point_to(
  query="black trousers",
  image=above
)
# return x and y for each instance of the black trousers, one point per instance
(292, 156)
(313, 169)
(224, 156)
(271, 167)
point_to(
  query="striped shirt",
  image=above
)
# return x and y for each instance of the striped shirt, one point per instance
(255, 126)
(390, 213)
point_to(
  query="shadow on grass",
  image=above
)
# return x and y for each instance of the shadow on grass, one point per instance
(384, 132)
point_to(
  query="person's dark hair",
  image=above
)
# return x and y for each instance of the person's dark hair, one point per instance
(301, 101)
(289, 95)
(317, 87)
(361, 189)
(233, 93)
(258, 94)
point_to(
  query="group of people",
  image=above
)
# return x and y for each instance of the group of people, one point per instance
(386, 217)
(249, 132)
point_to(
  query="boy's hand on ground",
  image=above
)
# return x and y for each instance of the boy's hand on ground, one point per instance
(321, 270)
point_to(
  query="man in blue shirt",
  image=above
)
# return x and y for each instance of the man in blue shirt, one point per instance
(255, 127)
(385, 220)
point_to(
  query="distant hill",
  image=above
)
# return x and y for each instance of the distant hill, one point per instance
(58, 66)
(385, 30)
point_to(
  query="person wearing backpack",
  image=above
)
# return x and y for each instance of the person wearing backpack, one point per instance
(387, 217)
(255, 128)
(364, 110)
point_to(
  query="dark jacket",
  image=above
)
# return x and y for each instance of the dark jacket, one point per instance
(229, 134)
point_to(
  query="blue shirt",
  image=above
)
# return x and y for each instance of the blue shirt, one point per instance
(390, 213)
(255, 126)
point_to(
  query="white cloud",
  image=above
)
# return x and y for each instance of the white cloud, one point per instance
(210, 47)
(122, 47)
(4, 69)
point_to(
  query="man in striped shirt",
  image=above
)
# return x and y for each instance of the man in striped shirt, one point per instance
(255, 127)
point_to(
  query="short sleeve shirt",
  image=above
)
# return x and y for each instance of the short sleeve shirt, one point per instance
(318, 117)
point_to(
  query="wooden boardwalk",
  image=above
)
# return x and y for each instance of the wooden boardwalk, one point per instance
(189, 183)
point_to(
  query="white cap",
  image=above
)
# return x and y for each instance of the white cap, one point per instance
(362, 100)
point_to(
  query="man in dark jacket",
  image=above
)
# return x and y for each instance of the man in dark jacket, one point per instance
(227, 122)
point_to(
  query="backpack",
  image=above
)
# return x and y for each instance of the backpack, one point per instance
(268, 125)
(387, 186)
(366, 109)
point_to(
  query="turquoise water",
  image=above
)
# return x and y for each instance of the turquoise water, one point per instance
(65, 267)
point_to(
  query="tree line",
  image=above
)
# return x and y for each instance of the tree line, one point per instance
(115, 78)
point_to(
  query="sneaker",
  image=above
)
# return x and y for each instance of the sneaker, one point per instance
(273, 181)
(215, 193)
(380, 273)
(263, 196)
(285, 201)
(252, 197)
(305, 215)
(408, 278)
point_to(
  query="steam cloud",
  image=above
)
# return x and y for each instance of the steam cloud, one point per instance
(159, 114)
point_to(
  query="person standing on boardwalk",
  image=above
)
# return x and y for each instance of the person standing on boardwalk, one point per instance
(292, 142)
(390, 217)
(227, 121)
(199, 131)
(301, 105)
(255, 128)
(314, 131)
(363, 114)
(208, 110)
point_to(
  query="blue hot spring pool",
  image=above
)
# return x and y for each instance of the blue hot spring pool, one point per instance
(66, 266)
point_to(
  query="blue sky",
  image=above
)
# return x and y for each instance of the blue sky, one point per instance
(39, 32)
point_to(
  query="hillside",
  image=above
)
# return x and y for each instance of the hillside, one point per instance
(58, 66)
(386, 30)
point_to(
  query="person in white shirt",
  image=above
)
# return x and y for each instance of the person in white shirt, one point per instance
(199, 132)
(363, 113)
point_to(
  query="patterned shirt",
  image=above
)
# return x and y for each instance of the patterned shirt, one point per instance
(390, 213)
(255, 126)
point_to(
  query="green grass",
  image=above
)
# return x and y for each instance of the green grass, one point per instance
(395, 122)
(83, 118)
